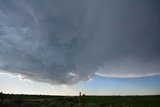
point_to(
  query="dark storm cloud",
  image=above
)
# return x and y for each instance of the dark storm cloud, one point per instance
(63, 42)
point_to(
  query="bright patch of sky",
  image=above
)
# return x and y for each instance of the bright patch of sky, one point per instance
(97, 86)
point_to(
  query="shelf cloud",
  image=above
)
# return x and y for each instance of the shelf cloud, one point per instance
(64, 42)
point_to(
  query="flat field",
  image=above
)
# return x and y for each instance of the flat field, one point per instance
(10, 100)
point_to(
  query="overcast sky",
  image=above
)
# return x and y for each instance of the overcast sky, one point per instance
(64, 42)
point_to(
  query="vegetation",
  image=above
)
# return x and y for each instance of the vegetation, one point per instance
(10, 100)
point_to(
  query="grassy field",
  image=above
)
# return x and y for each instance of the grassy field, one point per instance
(10, 100)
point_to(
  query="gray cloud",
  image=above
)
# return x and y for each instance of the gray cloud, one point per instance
(63, 42)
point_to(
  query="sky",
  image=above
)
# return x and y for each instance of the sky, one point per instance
(59, 47)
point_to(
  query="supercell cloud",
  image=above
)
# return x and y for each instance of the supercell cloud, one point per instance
(63, 42)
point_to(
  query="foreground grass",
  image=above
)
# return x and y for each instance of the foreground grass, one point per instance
(10, 100)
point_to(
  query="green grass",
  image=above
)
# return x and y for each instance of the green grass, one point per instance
(11, 100)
